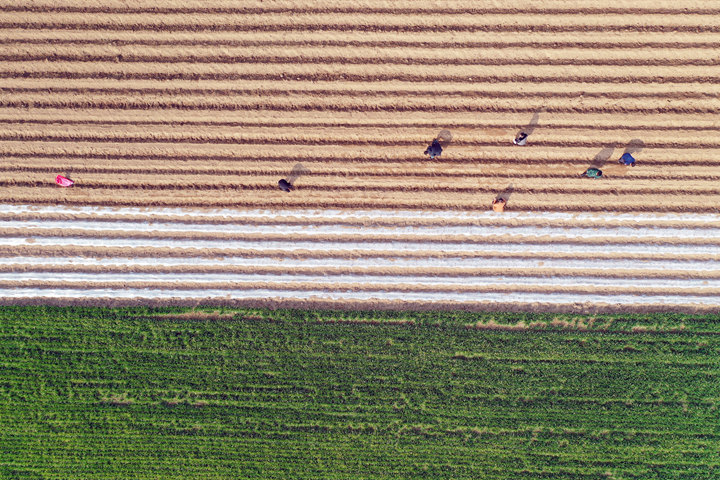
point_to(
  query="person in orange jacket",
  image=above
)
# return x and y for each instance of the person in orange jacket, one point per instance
(498, 205)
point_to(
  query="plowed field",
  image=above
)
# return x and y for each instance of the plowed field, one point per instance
(202, 109)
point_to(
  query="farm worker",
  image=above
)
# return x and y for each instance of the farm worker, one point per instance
(592, 173)
(521, 139)
(498, 205)
(627, 159)
(434, 150)
(63, 181)
(285, 185)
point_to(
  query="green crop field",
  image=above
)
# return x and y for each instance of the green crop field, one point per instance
(170, 393)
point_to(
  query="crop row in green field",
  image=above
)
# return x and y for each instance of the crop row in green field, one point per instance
(168, 393)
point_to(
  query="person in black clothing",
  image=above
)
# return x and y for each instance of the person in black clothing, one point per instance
(284, 185)
(434, 150)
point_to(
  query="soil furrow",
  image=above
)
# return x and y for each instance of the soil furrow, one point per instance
(357, 93)
(325, 124)
(625, 45)
(338, 174)
(591, 188)
(285, 273)
(354, 27)
(353, 77)
(411, 161)
(377, 60)
(315, 107)
(238, 139)
(449, 10)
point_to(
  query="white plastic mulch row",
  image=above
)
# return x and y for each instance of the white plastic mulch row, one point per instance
(301, 231)
(343, 214)
(558, 246)
(482, 280)
(637, 236)
(377, 262)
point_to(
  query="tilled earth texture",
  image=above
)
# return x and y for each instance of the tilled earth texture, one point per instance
(177, 120)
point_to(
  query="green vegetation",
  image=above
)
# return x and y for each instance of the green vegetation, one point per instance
(155, 393)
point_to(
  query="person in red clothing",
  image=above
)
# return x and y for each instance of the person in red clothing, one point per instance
(64, 181)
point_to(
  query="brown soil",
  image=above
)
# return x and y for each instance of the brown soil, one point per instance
(186, 104)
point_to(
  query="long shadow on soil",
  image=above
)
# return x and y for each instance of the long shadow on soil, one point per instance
(602, 157)
(298, 171)
(444, 138)
(505, 194)
(534, 121)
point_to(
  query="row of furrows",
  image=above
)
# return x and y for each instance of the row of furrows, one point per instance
(38, 61)
(360, 74)
(539, 203)
(391, 185)
(426, 40)
(348, 138)
(408, 8)
(318, 23)
(27, 155)
(384, 132)
(336, 71)
(344, 104)
(305, 89)
(388, 172)
(393, 57)
(173, 122)
(441, 45)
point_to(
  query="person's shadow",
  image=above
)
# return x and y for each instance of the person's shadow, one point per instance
(444, 138)
(602, 157)
(530, 128)
(298, 171)
(634, 146)
(505, 194)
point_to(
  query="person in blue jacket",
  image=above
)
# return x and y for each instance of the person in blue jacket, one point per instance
(627, 159)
